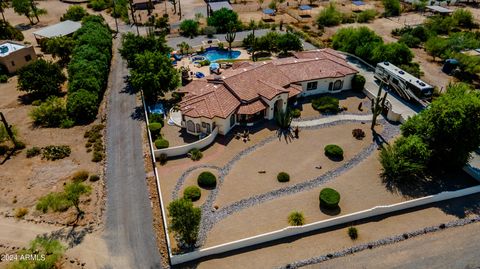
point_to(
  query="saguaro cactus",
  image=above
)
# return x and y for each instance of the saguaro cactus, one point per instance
(230, 36)
(378, 104)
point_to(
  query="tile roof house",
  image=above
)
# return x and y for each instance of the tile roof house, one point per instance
(251, 91)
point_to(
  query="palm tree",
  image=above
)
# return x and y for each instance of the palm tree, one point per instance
(184, 47)
(3, 6)
(253, 26)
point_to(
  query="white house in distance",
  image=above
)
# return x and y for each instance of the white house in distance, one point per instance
(251, 91)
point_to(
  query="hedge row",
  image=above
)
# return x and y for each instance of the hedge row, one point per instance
(88, 69)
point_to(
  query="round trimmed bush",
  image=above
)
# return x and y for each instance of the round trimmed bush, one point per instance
(296, 113)
(207, 180)
(161, 143)
(192, 193)
(358, 82)
(283, 177)
(329, 198)
(333, 151)
(155, 128)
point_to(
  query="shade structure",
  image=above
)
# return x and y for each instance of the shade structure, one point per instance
(305, 7)
(268, 11)
(358, 3)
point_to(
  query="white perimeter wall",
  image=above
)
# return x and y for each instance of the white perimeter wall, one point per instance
(184, 149)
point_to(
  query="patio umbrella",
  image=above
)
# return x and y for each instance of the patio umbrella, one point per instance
(305, 7)
(268, 11)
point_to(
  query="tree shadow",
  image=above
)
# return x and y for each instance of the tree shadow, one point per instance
(128, 89)
(286, 134)
(329, 211)
(138, 114)
(335, 158)
(72, 236)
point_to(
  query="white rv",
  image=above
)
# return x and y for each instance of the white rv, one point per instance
(407, 86)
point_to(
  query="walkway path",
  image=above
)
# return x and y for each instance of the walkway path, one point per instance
(129, 232)
(334, 118)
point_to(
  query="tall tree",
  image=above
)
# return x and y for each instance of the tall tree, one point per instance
(3, 6)
(220, 19)
(154, 74)
(29, 9)
(185, 220)
(289, 42)
(41, 78)
(253, 26)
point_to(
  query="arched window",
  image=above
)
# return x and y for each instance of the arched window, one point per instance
(190, 126)
(232, 120)
(198, 128)
(330, 86)
(337, 85)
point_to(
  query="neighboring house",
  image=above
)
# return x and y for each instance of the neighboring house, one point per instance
(252, 91)
(64, 28)
(14, 56)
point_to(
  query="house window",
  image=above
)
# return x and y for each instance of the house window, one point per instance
(330, 86)
(232, 120)
(190, 126)
(28, 58)
(312, 85)
(337, 85)
(204, 124)
(198, 128)
(13, 63)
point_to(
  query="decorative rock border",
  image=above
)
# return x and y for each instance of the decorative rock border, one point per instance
(211, 217)
(382, 242)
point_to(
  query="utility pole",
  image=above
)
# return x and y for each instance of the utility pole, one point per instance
(133, 16)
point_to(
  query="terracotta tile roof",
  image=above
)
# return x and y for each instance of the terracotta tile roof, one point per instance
(321, 54)
(251, 108)
(209, 101)
(294, 90)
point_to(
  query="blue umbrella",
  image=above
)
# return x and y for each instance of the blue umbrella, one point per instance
(269, 11)
(305, 7)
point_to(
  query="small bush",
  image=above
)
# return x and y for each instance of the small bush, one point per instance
(326, 104)
(56, 152)
(333, 151)
(207, 180)
(34, 151)
(55, 201)
(36, 102)
(195, 154)
(353, 233)
(21, 212)
(162, 158)
(358, 133)
(94, 178)
(358, 82)
(192, 193)
(329, 198)
(155, 128)
(97, 156)
(296, 219)
(67, 123)
(283, 177)
(161, 143)
(19, 145)
(80, 176)
(366, 15)
(153, 117)
(329, 16)
(3, 78)
(50, 113)
(296, 113)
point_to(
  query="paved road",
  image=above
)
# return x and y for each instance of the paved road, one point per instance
(128, 232)
(452, 248)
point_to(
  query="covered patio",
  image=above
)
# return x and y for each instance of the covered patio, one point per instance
(251, 113)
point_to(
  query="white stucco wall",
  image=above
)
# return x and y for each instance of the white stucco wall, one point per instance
(223, 125)
(270, 111)
(322, 86)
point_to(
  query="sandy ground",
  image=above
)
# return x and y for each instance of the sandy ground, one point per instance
(323, 242)
(244, 181)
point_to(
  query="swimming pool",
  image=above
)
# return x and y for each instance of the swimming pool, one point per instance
(214, 54)
(157, 109)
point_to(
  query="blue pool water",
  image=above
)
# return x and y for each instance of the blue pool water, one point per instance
(215, 54)
(157, 109)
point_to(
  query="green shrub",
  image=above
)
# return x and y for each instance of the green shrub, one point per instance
(296, 219)
(161, 143)
(97, 156)
(67, 123)
(358, 82)
(50, 113)
(366, 15)
(8, 32)
(392, 7)
(163, 158)
(3, 78)
(56, 201)
(353, 233)
(329, 198)
(153, 117)
(358, 133)
(82, 106)
(32, 152)
(189, 28)
(99, 5)
(36, 102)
(207, 180)
(192, 193)
(333, 151)
(296, 113)
(74, 13)
(56, 152)
(326, 104)
(329, 16)
(21, 212)
(410, 40)
(41, 78)
(80, 176)
(204, 62)
(19, 145)
(195, 154)
(283, 177)
(94, 178)
(155, 128)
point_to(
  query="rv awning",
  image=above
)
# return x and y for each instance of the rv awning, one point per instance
(60, 29)
(440, 9)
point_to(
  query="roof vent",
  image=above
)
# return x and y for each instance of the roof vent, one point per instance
(316, 58)
(386, 63)
(401, 72)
